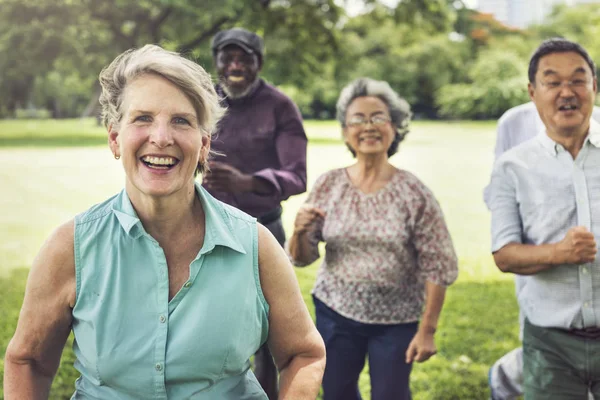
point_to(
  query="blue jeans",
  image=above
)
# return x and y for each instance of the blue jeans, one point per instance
(348, 342)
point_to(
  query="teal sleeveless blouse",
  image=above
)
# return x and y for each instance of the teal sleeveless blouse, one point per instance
(131, 342)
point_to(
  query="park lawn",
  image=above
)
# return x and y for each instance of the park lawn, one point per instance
(55, 169)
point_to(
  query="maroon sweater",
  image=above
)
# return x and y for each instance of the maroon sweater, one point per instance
(262, 134)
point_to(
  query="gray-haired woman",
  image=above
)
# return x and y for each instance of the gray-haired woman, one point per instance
(167, 290)
(388, 252)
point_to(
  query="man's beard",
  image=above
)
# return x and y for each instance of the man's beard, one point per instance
(233, 93)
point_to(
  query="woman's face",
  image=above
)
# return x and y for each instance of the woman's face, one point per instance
(158, 139)
(368, 130)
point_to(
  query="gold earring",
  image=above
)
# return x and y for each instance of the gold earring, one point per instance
(117, 157)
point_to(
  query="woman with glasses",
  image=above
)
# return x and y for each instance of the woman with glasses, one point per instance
(388, 255)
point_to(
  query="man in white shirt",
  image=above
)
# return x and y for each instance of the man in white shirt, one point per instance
(515, 126)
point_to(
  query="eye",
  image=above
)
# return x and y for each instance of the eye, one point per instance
(379, 120)
(578, 82)
(142, 118)
(247, 59)
(223, 58)
(356, 121)
(553, 84)
(180, 121)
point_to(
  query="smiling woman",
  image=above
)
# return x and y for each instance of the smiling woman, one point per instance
(388, 249)
(162, 285)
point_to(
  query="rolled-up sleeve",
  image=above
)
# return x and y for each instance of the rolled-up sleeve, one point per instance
(290, 144)
(436, 256)
(506, 220)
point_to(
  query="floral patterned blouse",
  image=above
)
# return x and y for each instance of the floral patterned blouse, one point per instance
(380, 248)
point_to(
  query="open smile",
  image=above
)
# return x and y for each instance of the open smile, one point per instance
(369, 138)
(236, 78)
(162, 162)
(568, 107)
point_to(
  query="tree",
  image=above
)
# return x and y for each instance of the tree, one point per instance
(497, 82)
(85, 35)
(578, 23)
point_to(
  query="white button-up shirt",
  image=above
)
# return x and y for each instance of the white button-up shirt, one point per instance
(536, 194)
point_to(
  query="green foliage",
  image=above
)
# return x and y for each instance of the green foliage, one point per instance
(53, 50)
(497, 82)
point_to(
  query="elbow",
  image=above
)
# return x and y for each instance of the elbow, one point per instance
(502, 263)
(18, 357)
(15, 355)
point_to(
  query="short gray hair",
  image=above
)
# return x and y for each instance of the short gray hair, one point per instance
(398, 107)
(188, 76)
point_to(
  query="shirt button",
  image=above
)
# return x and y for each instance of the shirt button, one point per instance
(158, 367)
(162, 319)
(586, 304)
(188, 284)
(584, 270)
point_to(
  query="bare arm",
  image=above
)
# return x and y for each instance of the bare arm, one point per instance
(524, 259)
(295, 343)
(422, 346)
(33, 354)
(577, 247)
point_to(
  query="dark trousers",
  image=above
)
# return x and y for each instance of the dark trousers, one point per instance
(264, 367)
(558, 365)
(348, 342)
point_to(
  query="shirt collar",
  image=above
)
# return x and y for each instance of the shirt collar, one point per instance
(594, 133)
(554, 148)
(218, 230)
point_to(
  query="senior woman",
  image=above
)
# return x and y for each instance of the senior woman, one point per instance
(167, 290)
(387, 252)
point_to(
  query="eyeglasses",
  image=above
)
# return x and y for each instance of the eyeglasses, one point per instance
(575, 84)
(377, 120)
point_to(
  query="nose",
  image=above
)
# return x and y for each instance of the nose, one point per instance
(368, 126)
(566, 90)
(161, 135)
(235, 64)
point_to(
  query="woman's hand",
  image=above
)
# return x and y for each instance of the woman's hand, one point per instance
(421, 347)
(306, 217)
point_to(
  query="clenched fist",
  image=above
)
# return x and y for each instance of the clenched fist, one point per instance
(577, 247)
(306, 217)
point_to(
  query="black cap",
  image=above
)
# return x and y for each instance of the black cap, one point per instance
(249, 41)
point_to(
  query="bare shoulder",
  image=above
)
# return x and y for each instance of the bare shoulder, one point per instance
(53, 269)
(291, 330)
(272, 259)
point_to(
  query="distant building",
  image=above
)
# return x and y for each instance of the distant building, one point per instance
(522, 13)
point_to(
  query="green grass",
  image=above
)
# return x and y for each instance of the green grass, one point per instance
(50, 171)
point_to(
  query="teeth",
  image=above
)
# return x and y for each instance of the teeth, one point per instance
(159, 160)
(236, 78)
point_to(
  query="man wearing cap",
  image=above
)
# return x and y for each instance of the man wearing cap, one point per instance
(260, 145)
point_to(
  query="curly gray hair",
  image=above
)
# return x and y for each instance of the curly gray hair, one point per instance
(398, 107)
(188, 76)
